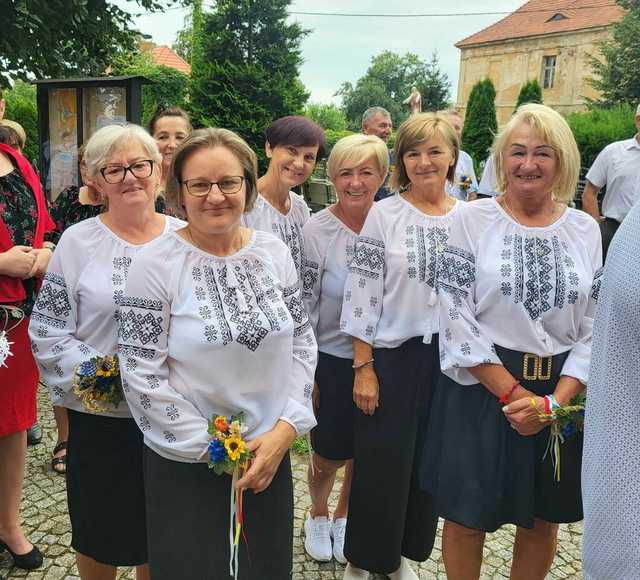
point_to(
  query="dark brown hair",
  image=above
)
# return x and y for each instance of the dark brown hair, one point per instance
(168, 112)
(297, 131)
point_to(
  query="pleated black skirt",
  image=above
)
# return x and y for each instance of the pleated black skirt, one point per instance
(481, 472)
(188, 523)
(105, 489)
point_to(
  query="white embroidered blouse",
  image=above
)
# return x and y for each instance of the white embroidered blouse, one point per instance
(527, 289)
(202, 335)
(288, 228)
(391, 290)
(74, 318)
(329, 247)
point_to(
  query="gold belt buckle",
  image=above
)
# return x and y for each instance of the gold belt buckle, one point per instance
(536, 368)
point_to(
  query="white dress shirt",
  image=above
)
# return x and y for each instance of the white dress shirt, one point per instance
(329, 247)
(528, 289)
(488, 181)
(202, 335)
(618, 167)
(288, 228)
(391, 290)
(74, 318)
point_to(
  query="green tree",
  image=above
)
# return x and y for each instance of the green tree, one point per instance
(245, 67)
(481, 124)
(616, 74)
(530, 92)
(21, 108)
(388, 81)
(56, 38)
(327, 116)
(168, 87)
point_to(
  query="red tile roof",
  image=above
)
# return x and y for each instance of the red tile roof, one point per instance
(535, 19)
(163, 55)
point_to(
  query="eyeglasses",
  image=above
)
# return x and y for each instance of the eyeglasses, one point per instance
(201, 187)
(117, 173)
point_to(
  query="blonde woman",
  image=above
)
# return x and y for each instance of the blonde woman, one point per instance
(357, 167)
(516, 312)
(390, 310)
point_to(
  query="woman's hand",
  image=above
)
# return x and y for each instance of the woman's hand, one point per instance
(41, 264)
(18, 262)
(524, 417)
(366, 390)
(269, 449)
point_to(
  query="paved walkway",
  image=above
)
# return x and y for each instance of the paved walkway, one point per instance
(44, 512)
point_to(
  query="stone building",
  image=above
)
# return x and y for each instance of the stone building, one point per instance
(548, 40)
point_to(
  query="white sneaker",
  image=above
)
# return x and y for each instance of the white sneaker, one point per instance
(338, 529)
(405, 572)
(317, 541)
(353, 573)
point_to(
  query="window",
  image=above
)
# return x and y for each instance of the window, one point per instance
(548, 71)
(557, 17)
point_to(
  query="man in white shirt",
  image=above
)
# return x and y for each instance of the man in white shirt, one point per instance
(465, 184)
(618, 168)
(377, 121)
(488, 181)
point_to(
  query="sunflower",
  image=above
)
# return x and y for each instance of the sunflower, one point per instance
(234, 446)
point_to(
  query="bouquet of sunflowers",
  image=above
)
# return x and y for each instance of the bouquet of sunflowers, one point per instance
(97, 381)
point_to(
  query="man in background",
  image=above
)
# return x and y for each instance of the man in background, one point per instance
(377, 121)
(618, 168)
(465, 184)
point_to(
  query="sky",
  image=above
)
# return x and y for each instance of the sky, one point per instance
(340, 48)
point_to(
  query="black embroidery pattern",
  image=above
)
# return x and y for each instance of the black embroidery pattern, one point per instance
(220, 330)
(310, 275)
(437, 240)
(533, 269)
(457, 273)
(293, 302)
(121, 266)
(53, 300)
(137, 351)
(169, 437)
(368, 258)
(597, 284)
(290, 233)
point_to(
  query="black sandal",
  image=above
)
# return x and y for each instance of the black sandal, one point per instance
(59, 464)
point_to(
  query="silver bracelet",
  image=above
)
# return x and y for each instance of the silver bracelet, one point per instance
(362, 364)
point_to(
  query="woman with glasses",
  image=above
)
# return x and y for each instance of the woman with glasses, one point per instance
(293, 144)
(74, 337)
(226, 334)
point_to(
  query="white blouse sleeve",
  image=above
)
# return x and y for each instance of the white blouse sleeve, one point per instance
(463, 343)
(579, 359)
(298, 411)
(53, 320)
(364, 288)
(168, 420)
(312, 271)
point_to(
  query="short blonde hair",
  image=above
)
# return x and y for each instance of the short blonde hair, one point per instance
(555, 132)
(209, 139)
(112, 138)
(418, 129)
(18, 129)
(355, 149)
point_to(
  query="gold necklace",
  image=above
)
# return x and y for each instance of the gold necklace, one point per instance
(513, 215)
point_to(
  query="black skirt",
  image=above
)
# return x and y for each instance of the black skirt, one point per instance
(389, 515)
(105, 489)
(481, 472)
(332, 438)
(188, 521)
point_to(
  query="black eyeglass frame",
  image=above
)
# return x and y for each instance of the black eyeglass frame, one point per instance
(148, 162)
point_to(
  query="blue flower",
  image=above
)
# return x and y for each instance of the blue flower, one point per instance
(87, 369)
(217, 452)
(568, 429)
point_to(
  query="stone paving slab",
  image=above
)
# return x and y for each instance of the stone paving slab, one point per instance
(44, 515)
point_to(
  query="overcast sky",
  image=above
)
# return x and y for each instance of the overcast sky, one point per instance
(340, 48)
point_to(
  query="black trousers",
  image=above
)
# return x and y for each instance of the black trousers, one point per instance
(608, 229)
(389, 515)
(188, 523)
